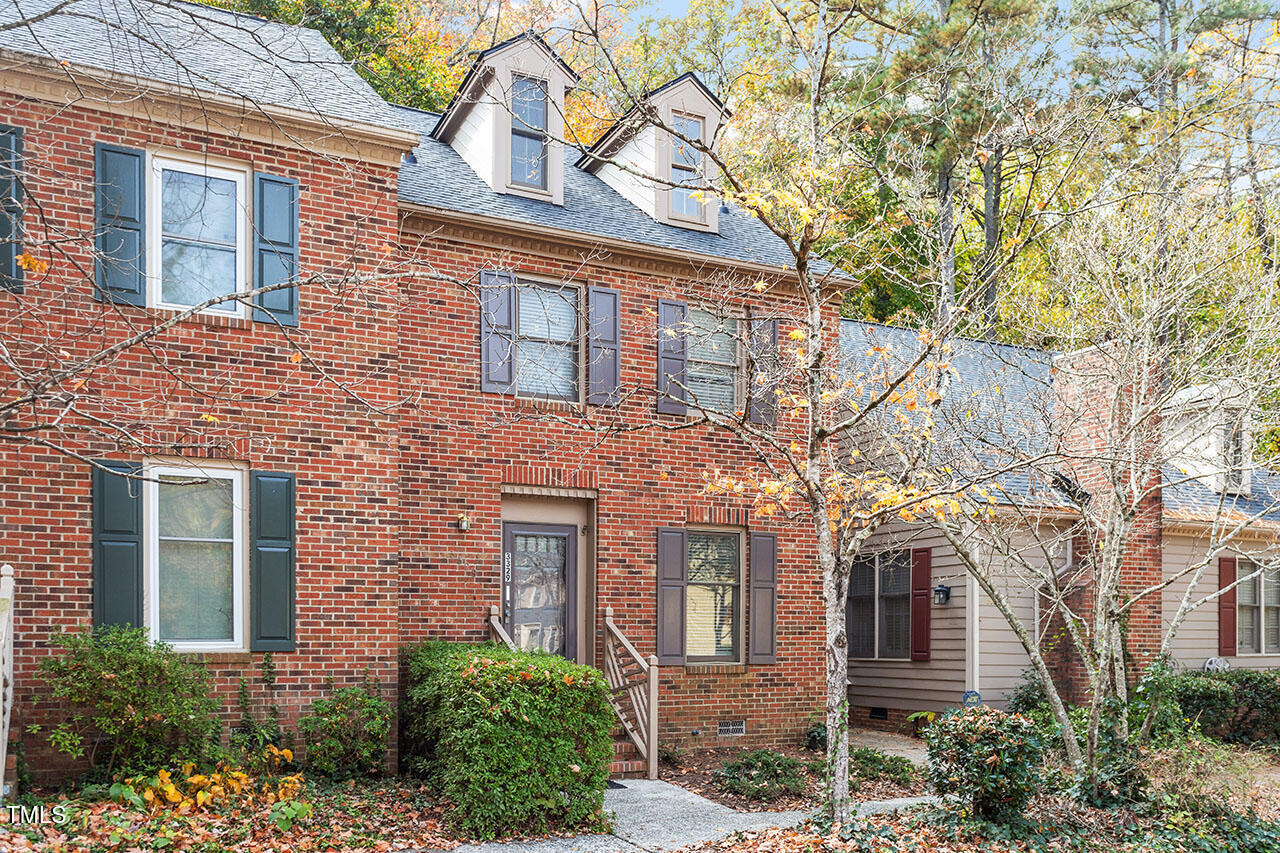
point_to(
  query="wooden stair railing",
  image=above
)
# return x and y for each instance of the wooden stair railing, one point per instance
(633, 691)
(498, 633)
(6, 673)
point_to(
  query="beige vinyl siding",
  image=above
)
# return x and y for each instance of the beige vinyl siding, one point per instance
(919, 685)
(637, 155)
(1197, 637)
(1001, 657)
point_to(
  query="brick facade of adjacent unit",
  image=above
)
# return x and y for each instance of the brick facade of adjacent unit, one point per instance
(384, 464)
(273, 414)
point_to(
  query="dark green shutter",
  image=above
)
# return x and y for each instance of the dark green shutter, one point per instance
(275, 248)
(119, 220)
(117, 545)
(272, 557)
(10, 208)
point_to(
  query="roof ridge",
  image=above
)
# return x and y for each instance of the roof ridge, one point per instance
(883, 325)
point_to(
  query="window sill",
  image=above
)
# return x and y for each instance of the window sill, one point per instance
(219, 656)
(221, 321)
(711, 668)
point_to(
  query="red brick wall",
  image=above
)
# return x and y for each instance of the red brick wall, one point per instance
(1113, 451)
(273, 414)
(459, 447)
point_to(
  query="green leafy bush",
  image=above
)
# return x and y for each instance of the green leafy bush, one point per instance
(989, 757)
(1029, 694)
(514, 741)
(872, 765)
(346, 734)
(762, 775)
(1238, 706)
(129, 704)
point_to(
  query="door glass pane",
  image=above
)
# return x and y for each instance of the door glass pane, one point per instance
(195, 591)
(539, 592)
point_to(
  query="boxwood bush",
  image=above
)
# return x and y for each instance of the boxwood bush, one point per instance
(989, 757)
(514, 741)
(1238, 706)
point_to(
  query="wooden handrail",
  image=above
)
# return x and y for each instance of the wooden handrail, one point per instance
(633, 683)
(6, 669)
(498, 633)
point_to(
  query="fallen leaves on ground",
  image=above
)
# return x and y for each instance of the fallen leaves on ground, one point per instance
(375, 815)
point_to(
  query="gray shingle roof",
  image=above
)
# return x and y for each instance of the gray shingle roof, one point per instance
(442, 179)
(207, 49)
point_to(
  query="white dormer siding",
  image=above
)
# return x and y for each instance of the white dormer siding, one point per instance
(1207, 435)
(639, 160)
(483, 122)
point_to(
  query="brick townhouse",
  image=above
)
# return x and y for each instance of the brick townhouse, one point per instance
(469, 419)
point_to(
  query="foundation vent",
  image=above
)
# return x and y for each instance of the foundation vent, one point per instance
(731, 728)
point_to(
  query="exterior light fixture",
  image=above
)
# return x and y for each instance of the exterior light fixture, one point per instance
(941, 594)
(464, 522)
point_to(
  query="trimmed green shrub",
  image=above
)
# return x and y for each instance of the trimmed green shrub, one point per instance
(871, 765)
(514, 741)
(1238, 706)
(762, 775)
(989, 757)
(129, 704)
(346, 734)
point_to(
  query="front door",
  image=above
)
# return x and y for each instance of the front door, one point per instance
(539, 579)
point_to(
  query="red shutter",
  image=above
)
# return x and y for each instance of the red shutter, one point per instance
(921, 601)
(763, 589)
(1227, 607)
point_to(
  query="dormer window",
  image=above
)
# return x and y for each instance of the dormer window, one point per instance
(686, 164)
(529, 132)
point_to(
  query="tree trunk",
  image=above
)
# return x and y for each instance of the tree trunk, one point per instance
(837, 666)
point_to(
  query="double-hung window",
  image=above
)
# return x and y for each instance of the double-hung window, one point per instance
(546, 347)
(1258, 610)
(878, 617)
(198, 234)
(714, 361)
(195, 542)
(686, 163)
(529, 132)
(714, 590)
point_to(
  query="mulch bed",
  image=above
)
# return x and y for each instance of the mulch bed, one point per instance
(696, 769)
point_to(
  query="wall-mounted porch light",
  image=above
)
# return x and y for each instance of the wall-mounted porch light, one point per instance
(464, 522)
(941, 594)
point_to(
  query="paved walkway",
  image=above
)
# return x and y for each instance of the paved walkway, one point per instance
(659, 816)
(910, 748)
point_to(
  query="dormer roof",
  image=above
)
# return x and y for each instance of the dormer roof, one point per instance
(637, 117)
(482, 65)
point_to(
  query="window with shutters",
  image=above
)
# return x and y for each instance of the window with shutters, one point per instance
(1257, 610)
(546, 345)
(195, 542)
(713, 609)
(878, 617)
(714, 361)
(198, 233)
(529, 132)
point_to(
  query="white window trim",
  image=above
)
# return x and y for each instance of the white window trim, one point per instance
(156, 164)
(579, 339)
(239, 552)
(740, 640)
(699, 173)
(1261, 607)
(875, 610)
(740, 364)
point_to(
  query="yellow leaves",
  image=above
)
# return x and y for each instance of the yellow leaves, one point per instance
(296, 358)
(32, 264)
(759, 286)
(210, 419)
(796, 334)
